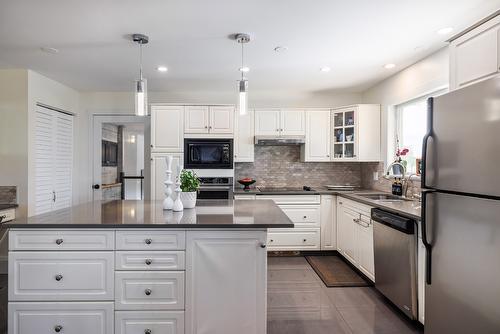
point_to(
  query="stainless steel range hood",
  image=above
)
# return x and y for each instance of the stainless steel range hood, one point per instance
(279, 141)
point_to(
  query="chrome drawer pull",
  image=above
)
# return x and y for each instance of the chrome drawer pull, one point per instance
(262, 245)
(59, 241)
(149, 261)
(58, 328)
(304, 240)
(305, 217)
(148, 331)
(148, 292)
(148, 241)
(59, 277)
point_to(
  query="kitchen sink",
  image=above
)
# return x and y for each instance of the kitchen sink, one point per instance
(384, 197)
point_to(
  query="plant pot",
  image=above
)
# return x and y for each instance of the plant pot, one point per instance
(189, 199)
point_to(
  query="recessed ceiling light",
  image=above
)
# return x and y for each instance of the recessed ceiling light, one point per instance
(162, 69)
(244, 69)
(389, 66)
(325, 69)
(445, 31)
(48, 49)
(281, 48)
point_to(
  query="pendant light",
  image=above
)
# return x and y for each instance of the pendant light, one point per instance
(140, 90)
(243, 83)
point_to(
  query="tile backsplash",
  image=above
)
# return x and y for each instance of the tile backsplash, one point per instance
(382, 184)
(8, 194)
(279, 166)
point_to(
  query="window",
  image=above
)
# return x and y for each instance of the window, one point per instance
(411, 126)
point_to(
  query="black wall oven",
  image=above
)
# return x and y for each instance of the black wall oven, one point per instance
(208, 153)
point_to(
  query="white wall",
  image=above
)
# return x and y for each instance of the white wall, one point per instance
(13, 130)
(52, 93)
(424, 77)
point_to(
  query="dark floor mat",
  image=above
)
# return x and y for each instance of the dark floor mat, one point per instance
(334, 272)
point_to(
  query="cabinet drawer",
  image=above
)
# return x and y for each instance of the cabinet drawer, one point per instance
(61, 240)
(139, 290)
(302, 214)
(140, 260)
(50, 318)
(293, 239)
(140, 322)
(150, 240)
(292, 199)
(50, 276)
(7, 215)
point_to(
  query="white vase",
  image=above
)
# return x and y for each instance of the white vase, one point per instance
(188, 199)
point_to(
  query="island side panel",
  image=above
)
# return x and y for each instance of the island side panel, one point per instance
(226, 280)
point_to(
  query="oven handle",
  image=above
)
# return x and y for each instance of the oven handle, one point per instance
(215, 188)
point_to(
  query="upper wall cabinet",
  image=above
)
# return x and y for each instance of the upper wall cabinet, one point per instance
(355, 133)
(167, 128)
(317, 147)
(209, 120)
(244, 129)
(278, 122)
(474, 56)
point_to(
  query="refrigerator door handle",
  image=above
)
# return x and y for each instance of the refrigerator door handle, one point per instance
(425, 142)
(428, 246)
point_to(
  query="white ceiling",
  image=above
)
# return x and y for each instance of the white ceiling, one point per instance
(355, 38)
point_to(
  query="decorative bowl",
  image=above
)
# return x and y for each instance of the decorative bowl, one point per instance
(246, 183)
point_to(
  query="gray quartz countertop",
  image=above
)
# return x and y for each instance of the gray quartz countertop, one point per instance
(7, 206)
(150, 214)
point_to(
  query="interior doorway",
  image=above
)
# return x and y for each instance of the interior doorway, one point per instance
(120, 167)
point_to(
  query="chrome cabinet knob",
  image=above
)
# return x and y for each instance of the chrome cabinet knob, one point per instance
(58, 328)
(305, 217)
(304, 240)
(148, 241)
(59, 241)
(262, 245)
(271, 240)
(147, 292)
(148, 331)
(148, 261)
(206, 127)
(59, 277)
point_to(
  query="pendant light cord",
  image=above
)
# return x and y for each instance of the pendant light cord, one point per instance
(242, 61)
(140, 60)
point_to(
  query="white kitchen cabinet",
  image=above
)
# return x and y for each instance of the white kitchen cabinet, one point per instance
(328, 219)
(153, 322)
(355, 133)
(196, 119)
(474, 56)
(421, 272)
(293, 122)
(68, 240)
(355, 235)
(318, 138)
(153, 261)
(294, 239)
(280, 122)
(267, 122)
(158, 173)
(221, 120)
(244, 137)
(50, 318)
(151, 239)
(214, 120)
(212, 296)
(167, 128)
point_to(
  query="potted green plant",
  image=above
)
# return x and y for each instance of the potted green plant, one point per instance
(189, 187)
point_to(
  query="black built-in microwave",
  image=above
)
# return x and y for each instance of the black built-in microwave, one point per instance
(208, 153)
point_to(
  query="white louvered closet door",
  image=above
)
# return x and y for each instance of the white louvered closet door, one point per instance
(53, 160)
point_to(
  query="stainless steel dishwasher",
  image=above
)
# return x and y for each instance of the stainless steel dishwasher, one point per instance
(395, 247)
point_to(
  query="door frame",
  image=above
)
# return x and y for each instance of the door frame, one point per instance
(95, 145)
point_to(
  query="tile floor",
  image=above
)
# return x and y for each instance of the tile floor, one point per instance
(300, 303)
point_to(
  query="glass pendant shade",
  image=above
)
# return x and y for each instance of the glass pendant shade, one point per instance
(141, 98)
(243, 97)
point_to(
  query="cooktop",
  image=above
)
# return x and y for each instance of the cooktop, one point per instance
(284, 189)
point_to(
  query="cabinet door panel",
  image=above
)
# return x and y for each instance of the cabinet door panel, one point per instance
(293, 123)
(328, 218)
(196, 119)
(167, 128)
(213, 293)
(347, 233)
(267, 122)
(221, 120)
(158, 173)
(366, 257)
(317, 146)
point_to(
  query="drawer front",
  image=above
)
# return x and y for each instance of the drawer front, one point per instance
(358, 207)
(150, 240)
(293, 239)
(7, 215)
(140, 260)
(65, 276)
(50, 318)
(140, 322)
(248, 197)
(292, 199)
(138, 290)
(61, 240)
(302, 214)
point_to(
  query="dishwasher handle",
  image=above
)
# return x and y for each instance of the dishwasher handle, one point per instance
(402, 224)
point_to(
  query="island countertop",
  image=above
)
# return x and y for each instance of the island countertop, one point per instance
(226, 214)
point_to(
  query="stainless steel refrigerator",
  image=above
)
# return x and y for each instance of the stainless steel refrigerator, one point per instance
(461, 211)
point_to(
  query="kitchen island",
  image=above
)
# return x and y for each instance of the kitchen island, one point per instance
(130, 267)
